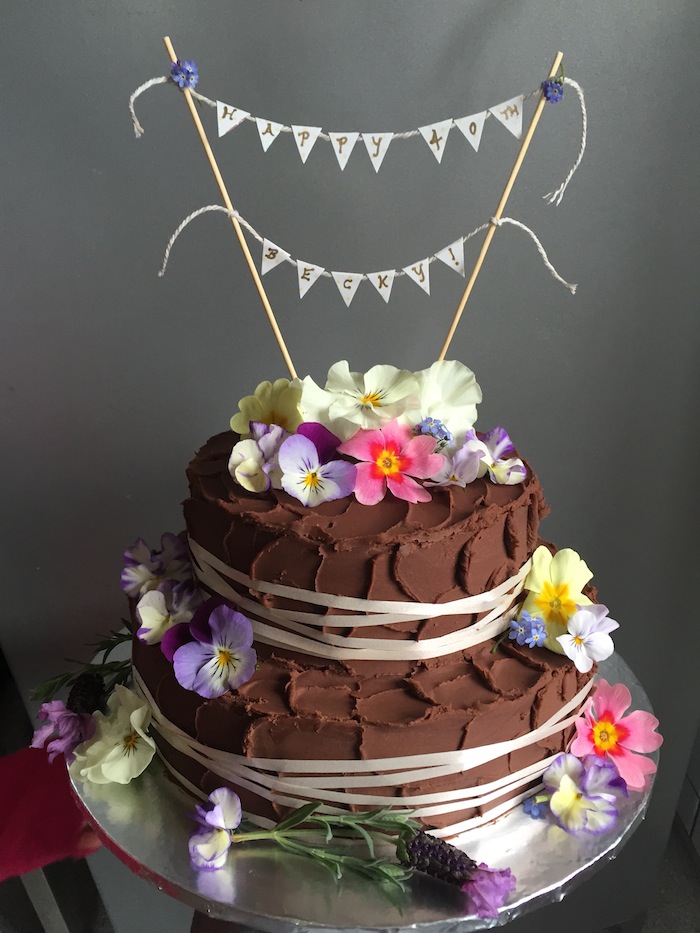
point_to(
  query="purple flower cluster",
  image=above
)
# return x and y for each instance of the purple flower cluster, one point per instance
(64, 730)
(144, 568)
(553, 90)
(527, 630)
(184, 74)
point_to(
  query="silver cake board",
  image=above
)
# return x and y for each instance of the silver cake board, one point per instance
(147, 823)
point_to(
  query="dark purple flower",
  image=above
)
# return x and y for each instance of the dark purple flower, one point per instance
(184, 74)
(325, 441)
(487, 890)
(64, 730)
(553, 90)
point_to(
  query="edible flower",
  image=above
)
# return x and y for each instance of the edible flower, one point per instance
(588, 637)
(184, 74)
(537, 808)
(253, 462)
(606, 732)
(447, 390)
(554, 585)
(488, 889)
(120, 748)
(308, 473)
(391, 457)
(64, 730)
(583, 797)
(497, 458)
(356, 400)
(273, 403)
(553, 90)
(221, 657)
(209, 846)
(435, 428)
(160, 609)
(461, 467)
(145, 569)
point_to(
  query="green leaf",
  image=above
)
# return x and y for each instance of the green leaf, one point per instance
(296, 817)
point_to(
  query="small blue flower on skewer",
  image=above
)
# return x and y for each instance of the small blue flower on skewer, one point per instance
(184, 74)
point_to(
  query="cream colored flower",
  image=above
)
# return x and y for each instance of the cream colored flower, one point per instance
(448, 391)
(273, 403)
(554, 586)
(351, 401)
(120, 749)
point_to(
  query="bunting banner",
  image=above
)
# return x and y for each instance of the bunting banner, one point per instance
(347, 283)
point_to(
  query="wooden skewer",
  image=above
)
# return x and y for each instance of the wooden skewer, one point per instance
(236, 226)
(501, 205)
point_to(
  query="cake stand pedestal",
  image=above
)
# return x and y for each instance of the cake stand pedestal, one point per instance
(147, 825)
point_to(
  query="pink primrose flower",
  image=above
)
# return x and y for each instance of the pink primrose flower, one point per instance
(391, 457)
(605, 731)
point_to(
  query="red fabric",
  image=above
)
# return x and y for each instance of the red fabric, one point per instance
(40, 821)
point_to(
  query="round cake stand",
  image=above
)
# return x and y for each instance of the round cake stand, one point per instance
(147, 825)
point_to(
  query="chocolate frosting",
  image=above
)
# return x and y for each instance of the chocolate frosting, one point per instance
(461, 543)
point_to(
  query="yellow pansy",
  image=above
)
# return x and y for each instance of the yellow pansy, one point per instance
(273, 403)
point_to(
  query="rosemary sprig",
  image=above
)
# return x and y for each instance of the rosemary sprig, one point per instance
(300, 830)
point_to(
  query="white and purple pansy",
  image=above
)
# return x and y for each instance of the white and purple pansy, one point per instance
(462, 466)
(308, 471)
(158, 610)
(144, 569)
(218, 655)
(498, 458)
(583, 793)
(588, 636)
(253, 461)
(209, 844)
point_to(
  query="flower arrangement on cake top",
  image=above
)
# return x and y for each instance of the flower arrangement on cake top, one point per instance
(387, 431)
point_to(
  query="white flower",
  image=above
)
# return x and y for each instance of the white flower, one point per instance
(351, 401)
(588, 638)
(158, 610)
(253, 461)
(120, 749)
(448, 390)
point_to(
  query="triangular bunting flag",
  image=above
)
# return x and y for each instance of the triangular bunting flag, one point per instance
(510, 114)
(307, 273)
(436, 137)
(343, 144)
(228, 116)
(305, 137)
(347, 283)
(377, 145)
(272, 256)
(453, 256)
(383, 282)
(420, 273)
(268, 131)
(472, 127)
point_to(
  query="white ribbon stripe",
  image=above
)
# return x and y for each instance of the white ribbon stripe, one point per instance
(300, 630)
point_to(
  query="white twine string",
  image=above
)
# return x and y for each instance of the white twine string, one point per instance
(408, 134)
(429, 259)
(138, 129)
(555, 197)
(540, 249)
(300, 630)
(291, 782)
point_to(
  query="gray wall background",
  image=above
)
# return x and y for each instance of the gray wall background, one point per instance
(112, 377)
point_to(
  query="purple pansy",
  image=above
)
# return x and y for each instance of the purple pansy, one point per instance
(488, 889)
(462, 466)
(308, 472)
(64, 728)
(583, 795)
(220, 658)
(144, 568)
(253, 461)
(184, 74)
(209, 845)
(498, 460)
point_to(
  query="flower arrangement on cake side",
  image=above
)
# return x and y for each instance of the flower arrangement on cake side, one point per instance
(388, 432)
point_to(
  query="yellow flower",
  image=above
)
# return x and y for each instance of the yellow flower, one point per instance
(554, 586)
(273, 403)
